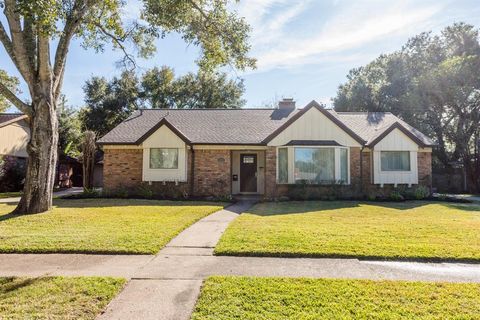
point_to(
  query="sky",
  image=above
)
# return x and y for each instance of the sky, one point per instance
(304, 48)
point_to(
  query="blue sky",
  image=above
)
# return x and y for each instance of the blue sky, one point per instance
(304, 48)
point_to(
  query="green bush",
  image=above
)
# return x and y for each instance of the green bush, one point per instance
(422, 192)
(12, 174)
(396, 196)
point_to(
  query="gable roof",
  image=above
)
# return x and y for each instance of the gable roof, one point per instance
(9, 118)
(202, 126)
(251, 126)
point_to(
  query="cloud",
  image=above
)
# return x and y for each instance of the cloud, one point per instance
(349, 25)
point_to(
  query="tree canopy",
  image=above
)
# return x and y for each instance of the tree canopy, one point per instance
(433, 83)
(110, 102)
(37, 35)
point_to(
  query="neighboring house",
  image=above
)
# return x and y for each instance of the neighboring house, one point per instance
(14, 135)
(218, 152)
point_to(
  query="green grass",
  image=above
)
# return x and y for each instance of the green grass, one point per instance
(409, 230)
(287, 298)
(4, 195)
(56, 297)
(100, 226)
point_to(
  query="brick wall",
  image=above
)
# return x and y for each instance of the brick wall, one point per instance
(424, 160)
(122, 168)
(212, 173)
(271, 172)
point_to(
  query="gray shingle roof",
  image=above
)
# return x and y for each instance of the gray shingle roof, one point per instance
(370, 125)
(203, 126)
(241, 126)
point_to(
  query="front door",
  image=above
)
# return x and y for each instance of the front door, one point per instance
(248, 173)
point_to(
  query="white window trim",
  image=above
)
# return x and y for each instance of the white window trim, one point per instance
(163, 169)
(291, 162)
(397, 171)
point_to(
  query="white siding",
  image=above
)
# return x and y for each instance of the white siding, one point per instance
(313, 125)
(395, 141)
(14, 139)
(165, 138)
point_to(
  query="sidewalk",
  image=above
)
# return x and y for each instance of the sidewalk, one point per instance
(166, 286)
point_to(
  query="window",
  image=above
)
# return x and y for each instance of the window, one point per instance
(283, 165)
(163, 158)
(315, 165)
(344, 165)
(395, 160)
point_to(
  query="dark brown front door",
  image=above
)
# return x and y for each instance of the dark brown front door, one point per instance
(248, 173)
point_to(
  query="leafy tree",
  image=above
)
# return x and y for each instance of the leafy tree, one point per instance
(12, 84)
(37, 36)
(69, 129)
(111, 102)
(432, 83)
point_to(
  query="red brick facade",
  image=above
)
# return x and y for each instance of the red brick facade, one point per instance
(212, 174)
(122, 168)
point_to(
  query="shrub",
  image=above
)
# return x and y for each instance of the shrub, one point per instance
(396, 196)
(12, 174)
(422, 192)
(145, 191)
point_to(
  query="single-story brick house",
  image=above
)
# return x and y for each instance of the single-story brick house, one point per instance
(221, 152)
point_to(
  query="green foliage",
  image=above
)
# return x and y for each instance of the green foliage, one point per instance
(69, 129)
(421, 192)
(396, 195)
(12, 174)
(111, 102)
(433, 84)
(252, 298)
(12, 84)
(380, 230)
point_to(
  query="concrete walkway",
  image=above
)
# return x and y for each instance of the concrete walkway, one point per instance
(166, 286)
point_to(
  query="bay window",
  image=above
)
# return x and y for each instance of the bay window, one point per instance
(313, 165)
(395, 160)
(163, 158)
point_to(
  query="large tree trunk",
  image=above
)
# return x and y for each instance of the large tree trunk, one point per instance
(42, 158)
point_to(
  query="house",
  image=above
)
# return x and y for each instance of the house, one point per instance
(14, 135)
(221, 152)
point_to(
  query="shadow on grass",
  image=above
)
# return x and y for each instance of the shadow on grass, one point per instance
(300, 207)
(11, 284)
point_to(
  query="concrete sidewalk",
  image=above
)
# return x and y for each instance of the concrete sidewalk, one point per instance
(166, 286)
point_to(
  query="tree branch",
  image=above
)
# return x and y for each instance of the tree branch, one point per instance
(22, 106)
(119, 42)
(21, 57)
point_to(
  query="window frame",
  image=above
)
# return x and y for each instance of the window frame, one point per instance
(337, 165)
(160, 148)
(396, 170)
(278, 165)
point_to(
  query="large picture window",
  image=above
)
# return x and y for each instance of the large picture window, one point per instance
(163, 158)
(315, 165)
(395, 160)
(283, 165)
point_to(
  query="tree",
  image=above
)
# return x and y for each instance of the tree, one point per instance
(34, 30)
(432, 83)
(12, 84)
(69, 129)
(88, 158)
(110, 102)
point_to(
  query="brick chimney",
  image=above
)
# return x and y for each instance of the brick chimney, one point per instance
(286, 104)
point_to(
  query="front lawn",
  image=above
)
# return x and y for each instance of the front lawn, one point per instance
(409, 230)
(4, 195)
(100, 226)
(287, 298)
(56, 297)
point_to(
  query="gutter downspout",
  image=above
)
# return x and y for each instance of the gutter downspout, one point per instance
(361, 169)
(192, 174)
